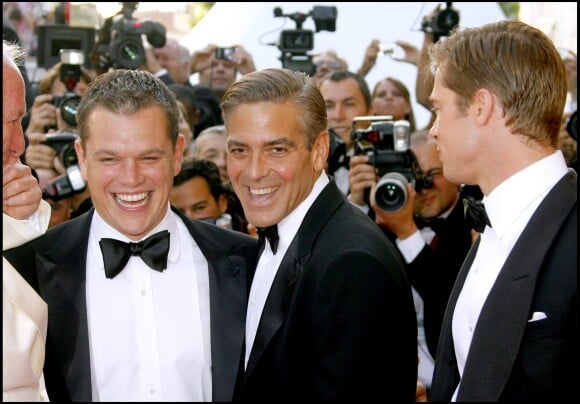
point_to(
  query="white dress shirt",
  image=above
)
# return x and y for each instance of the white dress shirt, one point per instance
(509, 208)
(149, 331)
(268, 262)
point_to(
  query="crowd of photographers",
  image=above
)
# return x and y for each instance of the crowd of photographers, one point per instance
(375, 143)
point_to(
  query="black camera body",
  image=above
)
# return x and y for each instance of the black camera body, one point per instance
(441, 23)
(72, 182)
(70, 74)
(54, 37)
(294, 44)
(68, 104)
(387, 144)
(63, 143)
(120, 45)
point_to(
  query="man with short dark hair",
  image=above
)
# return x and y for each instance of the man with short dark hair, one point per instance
(330, 313)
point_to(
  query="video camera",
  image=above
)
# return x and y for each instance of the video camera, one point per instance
(120, 46)
(72, 182)
(54, 37)
(442, 22)
(387, 143)
(296, 43)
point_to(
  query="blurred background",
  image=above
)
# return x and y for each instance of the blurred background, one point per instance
(254, 26)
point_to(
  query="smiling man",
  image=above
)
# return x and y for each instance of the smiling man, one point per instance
(140, 297)
(330, 313)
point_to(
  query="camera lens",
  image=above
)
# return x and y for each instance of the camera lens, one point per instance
(447, 19)
(391, 192)
(68, 109)
(68, 155)
(128, 53)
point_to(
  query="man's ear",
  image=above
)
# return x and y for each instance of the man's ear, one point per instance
(320, 150)
(484, 105)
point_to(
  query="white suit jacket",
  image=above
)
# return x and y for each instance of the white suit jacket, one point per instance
(24, 319)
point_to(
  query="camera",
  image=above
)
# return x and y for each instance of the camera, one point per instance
(442, 22)
(294, 44)
(387, 144)
(296, 40)
(120, 45)
(70, 74)
(225, 53)
(54, 37)
(72, 182)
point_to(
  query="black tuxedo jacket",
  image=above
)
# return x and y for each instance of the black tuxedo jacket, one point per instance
(339, 321)
(512, 359)
(58, 263)
(433, 272)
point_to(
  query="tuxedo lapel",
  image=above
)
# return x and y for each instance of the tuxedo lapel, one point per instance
(228, 286)
(277, 304)
(514, 288)
(62, 285)
(279, 299)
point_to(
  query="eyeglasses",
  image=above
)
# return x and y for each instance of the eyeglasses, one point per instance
(426, 181)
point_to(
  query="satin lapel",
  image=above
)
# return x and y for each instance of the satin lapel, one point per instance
(280, 296)
(277, 305)
(228, 299)
(446, 375)
(514, 289)
(61, 265)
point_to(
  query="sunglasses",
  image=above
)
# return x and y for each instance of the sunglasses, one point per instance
(426, 181)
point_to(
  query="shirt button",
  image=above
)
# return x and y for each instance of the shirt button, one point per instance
(143, 293)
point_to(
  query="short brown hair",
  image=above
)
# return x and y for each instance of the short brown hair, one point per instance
(515, 61)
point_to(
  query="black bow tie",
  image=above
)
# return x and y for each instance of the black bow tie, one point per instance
(153, 251)
(270, 233)
(475, 214)
(435, 223)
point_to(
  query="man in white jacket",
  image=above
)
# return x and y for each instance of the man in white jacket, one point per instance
(25, 216)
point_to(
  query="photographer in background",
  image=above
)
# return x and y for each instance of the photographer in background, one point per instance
(346, 96)
(433, 237)
(218, 67)
(43, 114)
(46, 121)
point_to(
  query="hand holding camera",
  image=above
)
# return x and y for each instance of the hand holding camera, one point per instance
(42, 114)
(38, 154)
(202, 59)
(237, 54)
(386, 143)
(362, 176)
(56, 112)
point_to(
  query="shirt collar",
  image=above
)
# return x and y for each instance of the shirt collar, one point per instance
(522, 189)
(288, 227)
